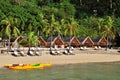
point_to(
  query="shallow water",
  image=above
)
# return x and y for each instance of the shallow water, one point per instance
(89, 71)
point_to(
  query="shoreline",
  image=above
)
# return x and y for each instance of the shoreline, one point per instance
(87, 56)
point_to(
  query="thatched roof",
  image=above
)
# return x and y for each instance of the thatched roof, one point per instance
(17, 40)
(100, 41)
(75, 42)
(84, 39)
(55, 40)
(42, 41)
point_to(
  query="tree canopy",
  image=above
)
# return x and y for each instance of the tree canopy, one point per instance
(66, 17)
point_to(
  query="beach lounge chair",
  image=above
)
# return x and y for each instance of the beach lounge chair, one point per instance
(58, 52)
(37, 53)
(22, 53)
(71, 52)
(31, 53)
(95, 48)
(81, 48)
(99, 47)
(85, 47)
(66, 52)
(32, 48)
(53, 52)
(72, 48)
(15, 53)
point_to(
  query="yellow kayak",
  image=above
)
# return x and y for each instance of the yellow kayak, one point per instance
(28, 66)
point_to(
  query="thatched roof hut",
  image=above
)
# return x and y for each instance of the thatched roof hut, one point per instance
(43, 43)
(73, 41)
(66, 41)
(86, 41)
(100, 41)
(15, 43)
(55, 41)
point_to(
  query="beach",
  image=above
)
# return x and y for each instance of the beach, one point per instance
(86, 56)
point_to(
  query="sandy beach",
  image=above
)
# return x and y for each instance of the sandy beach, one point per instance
(86, 56)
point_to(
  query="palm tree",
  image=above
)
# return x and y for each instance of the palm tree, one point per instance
(41, 23)
(71, 28)
(10, 28)
(32, 40)
(108, 30)
(62, 25)
(100, 23)
(52, 28)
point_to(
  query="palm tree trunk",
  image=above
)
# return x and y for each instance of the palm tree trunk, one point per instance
(107, 44)
(107, 41)
(51, 39)
(70, 44)
(9, 47)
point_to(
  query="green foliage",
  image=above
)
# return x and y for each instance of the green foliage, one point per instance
(117, 24)
(32, 39)
(66, 17)
(23, 42)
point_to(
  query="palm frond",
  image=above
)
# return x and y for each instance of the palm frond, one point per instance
(8, 30)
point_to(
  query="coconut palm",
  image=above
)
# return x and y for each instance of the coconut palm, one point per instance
(32, 40)
(52, 29)
(62, 26)
(10, 27)
(48, 30)
(108, 29)
(71, 28)
(100, 23)
(41, 23)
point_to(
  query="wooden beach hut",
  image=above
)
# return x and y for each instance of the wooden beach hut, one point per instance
(43, 43)
(15, 43)
(86, 41)
(55, 41)
(74, 42)
(100, 41)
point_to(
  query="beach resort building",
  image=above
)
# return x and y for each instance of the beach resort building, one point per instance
(43, 43)
(86, 41)
(72, 41)
(55, 41)
(100, 41)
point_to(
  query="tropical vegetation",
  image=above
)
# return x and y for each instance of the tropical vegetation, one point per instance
(59, 17)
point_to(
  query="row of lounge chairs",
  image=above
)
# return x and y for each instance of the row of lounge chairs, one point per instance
(54, 51)
(95, 48)
(67, 51)
(30, 53)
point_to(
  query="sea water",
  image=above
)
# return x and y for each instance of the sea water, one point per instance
(86, 71)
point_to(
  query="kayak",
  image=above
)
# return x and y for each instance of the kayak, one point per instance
(28, 66)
